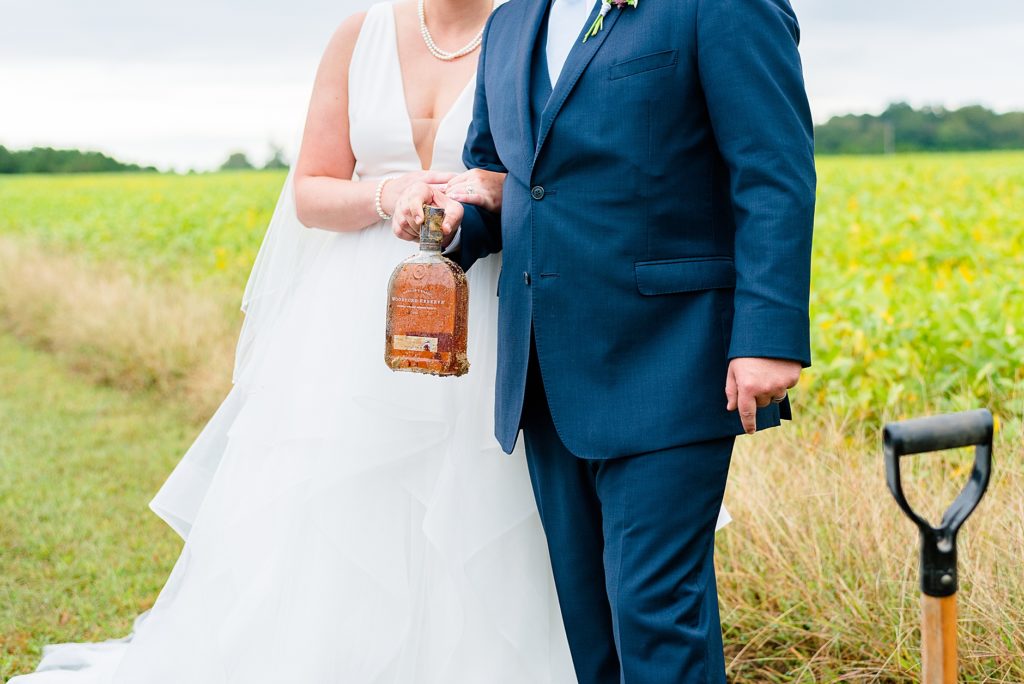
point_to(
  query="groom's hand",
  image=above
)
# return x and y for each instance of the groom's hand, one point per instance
(754, 383)
(478, 186)
(408, 216)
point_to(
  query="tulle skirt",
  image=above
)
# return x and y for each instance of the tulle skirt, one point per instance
(345, 523)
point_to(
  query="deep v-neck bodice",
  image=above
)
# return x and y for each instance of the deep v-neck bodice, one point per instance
(380, 129)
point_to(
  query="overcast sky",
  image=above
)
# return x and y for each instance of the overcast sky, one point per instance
(180, 83)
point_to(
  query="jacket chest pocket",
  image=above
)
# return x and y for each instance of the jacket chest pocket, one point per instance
(634, 66)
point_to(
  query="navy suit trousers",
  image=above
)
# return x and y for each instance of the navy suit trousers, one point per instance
(632, 546)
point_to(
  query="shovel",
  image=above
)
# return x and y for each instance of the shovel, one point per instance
(938, 544)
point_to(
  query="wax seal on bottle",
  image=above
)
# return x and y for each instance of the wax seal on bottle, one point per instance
(431, 234)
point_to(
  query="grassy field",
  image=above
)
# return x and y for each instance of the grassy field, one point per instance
(132, 283)
(918, 290)
(81, 554)
(187, 229)
(918, 297)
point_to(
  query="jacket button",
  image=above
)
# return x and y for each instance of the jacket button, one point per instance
(526, 277)
(537, 193)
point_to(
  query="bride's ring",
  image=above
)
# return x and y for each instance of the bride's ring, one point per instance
(469, 190)
(779, 400)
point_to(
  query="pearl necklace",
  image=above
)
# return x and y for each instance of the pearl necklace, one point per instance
(438, 52)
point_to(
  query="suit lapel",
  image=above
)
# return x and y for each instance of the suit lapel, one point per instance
(527, 43)
(576, 63)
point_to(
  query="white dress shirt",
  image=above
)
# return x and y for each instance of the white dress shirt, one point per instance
(566, 21)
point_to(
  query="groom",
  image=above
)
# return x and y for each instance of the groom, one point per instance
(656, 235)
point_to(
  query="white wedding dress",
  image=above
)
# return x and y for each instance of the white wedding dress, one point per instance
(345, 524)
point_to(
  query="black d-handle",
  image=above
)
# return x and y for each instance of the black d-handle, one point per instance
(937, 433)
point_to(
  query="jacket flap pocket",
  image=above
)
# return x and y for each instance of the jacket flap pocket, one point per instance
(638, 65)
(685, 275)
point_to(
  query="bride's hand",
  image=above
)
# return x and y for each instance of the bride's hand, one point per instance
(479, 187)
(407, 217)
(394, 189)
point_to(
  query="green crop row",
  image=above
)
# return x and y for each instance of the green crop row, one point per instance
(918, 283)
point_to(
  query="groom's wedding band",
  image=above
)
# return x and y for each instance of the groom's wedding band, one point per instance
(779, 400)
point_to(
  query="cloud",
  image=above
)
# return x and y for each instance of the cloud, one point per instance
(176, 84)
(183, 83)
(911, 15)
(265, 31)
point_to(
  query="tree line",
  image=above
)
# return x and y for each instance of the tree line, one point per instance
(901, 128)
(49, 160)
(238, 161)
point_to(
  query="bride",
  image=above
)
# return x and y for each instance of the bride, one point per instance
(344, 523)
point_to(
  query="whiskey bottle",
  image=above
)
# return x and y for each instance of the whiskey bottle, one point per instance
(428, 308)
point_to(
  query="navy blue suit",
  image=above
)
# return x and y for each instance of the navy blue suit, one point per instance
(656, 223)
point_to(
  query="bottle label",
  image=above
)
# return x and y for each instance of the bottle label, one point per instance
(428, 305)
(414, 343)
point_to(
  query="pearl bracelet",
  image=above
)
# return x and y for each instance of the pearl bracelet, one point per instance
(376, 200)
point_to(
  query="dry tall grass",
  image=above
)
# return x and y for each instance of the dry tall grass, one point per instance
(818, 575)
(118, 329)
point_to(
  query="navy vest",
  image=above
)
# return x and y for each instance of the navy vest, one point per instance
(540, 80)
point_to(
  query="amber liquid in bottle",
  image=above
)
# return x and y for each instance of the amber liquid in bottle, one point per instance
(428, 308)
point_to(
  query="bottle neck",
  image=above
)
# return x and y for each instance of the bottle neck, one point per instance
(431, 235)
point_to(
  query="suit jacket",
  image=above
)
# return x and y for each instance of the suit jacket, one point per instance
(656, 221)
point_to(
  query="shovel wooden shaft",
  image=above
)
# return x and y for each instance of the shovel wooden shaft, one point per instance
(938, 640)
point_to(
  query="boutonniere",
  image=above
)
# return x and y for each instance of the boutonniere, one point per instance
(606, 7)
